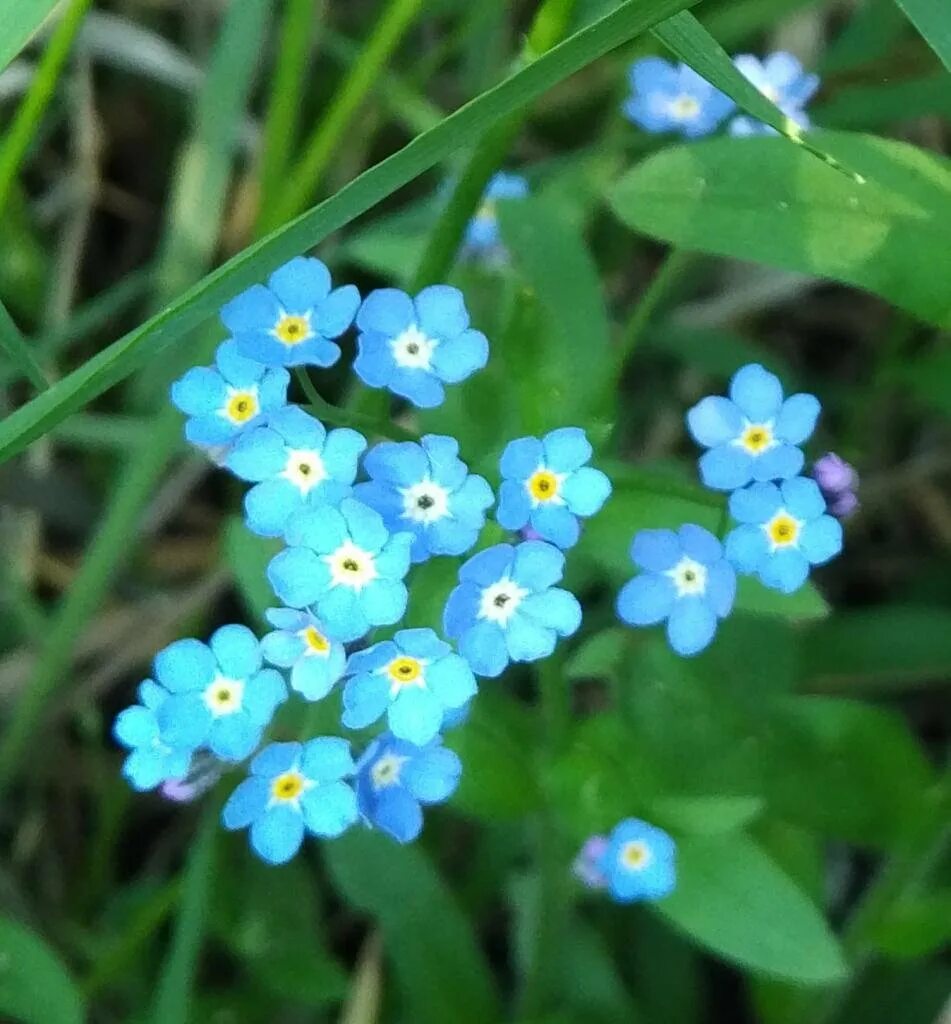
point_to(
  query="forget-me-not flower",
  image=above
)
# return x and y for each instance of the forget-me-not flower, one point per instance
(753, 434)
(294, 788)
(547, 485)
(414, 346)
(151, 761)
(291, 321)
(685, 581)
(782, 80)
(507, 608)
(783, 530)
(394, 777)
(219, 695)
(294, 463)
(425, 488)
(674, 98)
(482, 233)
(228, 398)
(639, 862)
(301, 643)
(345, 565)
(415, 678)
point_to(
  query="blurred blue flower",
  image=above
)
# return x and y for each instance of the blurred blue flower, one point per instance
(639, 862)
(506, 606)
(345, 565)
(294, 788)
(414, 346)
(753, 434)
(686, 581)
(784, 530)
(151, 760)
(394, 777)
(301, 643)
(426, 489)
(782, 80)
(547, 485)
(294, 464)
(415, 678)
(587, 865)
(228, 398)
(219, 696)
(291, 321)
(482, 234)
(674, 98)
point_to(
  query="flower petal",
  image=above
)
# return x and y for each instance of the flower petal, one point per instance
(521, 458)
(330, 810)
(451, 680)
(803, 498)
(725, 468)
(386, 311)
(526, 640)
(275, 759)
(556, 524)
(721, 588)
(277, 835)
(336, 313)
(245, 804)
(785, 570)
(797, 418)
(326, 759)
(458, 358)
(200, 392)
(821, 539)
(433, 775)
(415, 716)
(700, 544)
(691, 626)
(566, 449)
(298, 576)
(398, 815)
(537, 565)
(646, 600)
(556, 609)
(300, 284)
(713, 421)
(746, 548)
(655, 550)
(586, 490)
(441, 311)
(483, 646)
(374, 364)
(237, 651)
(514, 505)
(778, 463)
(488, 566)
(185, 665)
(757, 392)
(756, 503)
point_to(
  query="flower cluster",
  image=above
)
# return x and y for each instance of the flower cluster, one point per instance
(752, 438)
(635, 863)
(354, 520)
(674, 98)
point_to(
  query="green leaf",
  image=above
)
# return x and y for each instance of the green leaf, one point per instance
(932, 18)
(35, 986)
(19, 21)
(805, 605)
(202, 300)
(248, 555)
(761, 200)
(733, 899)
(915, 927)
(705, 815)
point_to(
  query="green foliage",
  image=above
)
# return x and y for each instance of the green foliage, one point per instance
(933, 21)
(35, 986)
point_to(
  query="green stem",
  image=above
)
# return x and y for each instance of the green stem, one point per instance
(18, 349)
(329, 413)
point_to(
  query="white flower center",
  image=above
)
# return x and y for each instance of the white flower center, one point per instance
(351, 566)
(782, 531)
(756, 438)
(412, 349)
(403, 672)
(684, 108)
(500, 600)
(288, 788)
(305, 469)
(425, 502)
(635, 855)
(386, 770)
(223, 696)
(689, 577)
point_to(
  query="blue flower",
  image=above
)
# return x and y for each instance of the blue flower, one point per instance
(674, 98)
(482, 234)
(547, 485)
(781, 79)
(219, 696)
(752, 435)
(294, 788)
(395, 777)
(228, 398)
(639, 862)
(301, 643)
(414, 346)
(426, 489)
(151, 761)
(506, 606)
(345, 565)
(295, 464)
(784, 529)
(415, 678)
(291, 321)
(685, 581)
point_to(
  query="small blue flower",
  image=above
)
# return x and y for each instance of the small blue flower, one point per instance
(506, 606)
(784, 529)
(426, 489)
(295, 464)
(674, 98)
(219, 696)
(685, 581)
(301, 643)
(291, 321)
(346, 566)
(415, 678)
(151, 761)
(414, 346)
(228, 398)
(482, 234)
(782, 80)
(753, 434)
(547, 485)
(294, 788)
(394, 777)
(639, 862)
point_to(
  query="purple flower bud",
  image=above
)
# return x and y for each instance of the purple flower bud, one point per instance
(586, 866)
(834, 475)
(843, 505)
(530, 534)
(203, 773)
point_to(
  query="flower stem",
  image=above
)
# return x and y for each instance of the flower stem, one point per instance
(329, 413)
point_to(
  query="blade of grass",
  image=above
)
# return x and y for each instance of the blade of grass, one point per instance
(18, 349)
(932, 18)
(21, 21)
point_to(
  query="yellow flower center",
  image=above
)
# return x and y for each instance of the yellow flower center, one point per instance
(685, 107)
(757, 438)
(316, 640)
(404, 671)
(634, 855)
(242, 406)
(292, 330)
(783, 530)
(543, 485)
(288, 786)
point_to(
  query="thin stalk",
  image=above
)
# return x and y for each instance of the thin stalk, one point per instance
(18, 349)
(333, 414)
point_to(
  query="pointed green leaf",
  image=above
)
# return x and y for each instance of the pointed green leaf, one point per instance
(35, 987)
(932, 18)
(19, 21)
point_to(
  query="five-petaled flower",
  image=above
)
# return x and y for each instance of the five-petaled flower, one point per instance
(482, 233)
(414, 346)
(507, 608)
(674, 98)
(784, 530)
(782, 80)
(345, 565)
(415, 678)
(294, 463)
(301, 643)
(547, 485)
(639, 862)
(685, 581)
(294, 788)
(753, 434)
(395, 777)
(152, 760)
(425, 488)
(291, 321)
